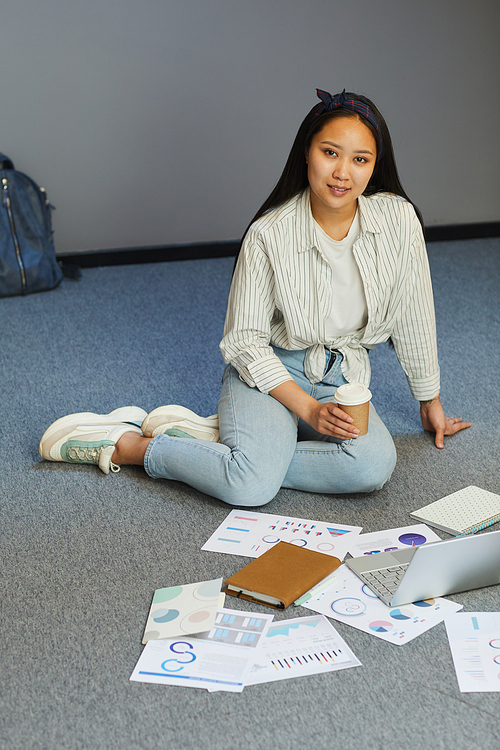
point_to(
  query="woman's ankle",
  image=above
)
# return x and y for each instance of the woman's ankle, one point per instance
(130, 449)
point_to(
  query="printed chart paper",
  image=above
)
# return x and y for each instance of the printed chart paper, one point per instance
(194, 663)
(183, 610)
(349, 600)
(251, 534)
(236, 628)
(300, 647)
(391, 539)
(474, 639)
(375, 542)
(242, 630)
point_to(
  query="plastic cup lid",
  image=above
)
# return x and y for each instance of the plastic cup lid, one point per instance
(352, 394)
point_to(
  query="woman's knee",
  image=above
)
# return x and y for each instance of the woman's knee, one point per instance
(376, 465)
(250, 492)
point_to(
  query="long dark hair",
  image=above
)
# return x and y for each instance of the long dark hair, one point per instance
(385, 177)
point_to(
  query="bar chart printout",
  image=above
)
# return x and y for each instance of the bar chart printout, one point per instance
(233, 627)
(474, 639)
(300, 647)
(251, 534)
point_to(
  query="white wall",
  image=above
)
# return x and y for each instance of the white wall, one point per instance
(156, 122)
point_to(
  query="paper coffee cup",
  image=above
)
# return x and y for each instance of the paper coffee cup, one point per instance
(354, 399)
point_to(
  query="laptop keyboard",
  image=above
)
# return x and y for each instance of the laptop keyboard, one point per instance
(385, 581)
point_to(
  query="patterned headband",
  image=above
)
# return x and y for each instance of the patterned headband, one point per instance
(331, 103)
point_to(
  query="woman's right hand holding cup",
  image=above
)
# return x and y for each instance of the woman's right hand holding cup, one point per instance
(329, 419)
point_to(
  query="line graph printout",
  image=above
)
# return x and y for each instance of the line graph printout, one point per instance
(251, 534)
(474, 639)
(299, 647)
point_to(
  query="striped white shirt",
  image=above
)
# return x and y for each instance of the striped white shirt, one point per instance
(282, 294)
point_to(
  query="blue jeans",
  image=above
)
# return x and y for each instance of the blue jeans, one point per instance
(265, 446)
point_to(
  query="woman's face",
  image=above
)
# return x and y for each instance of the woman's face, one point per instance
(340, 162)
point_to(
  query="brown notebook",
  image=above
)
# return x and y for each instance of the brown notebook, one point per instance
(281, 575)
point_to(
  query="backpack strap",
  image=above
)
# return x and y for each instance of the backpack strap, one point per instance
(5, 162)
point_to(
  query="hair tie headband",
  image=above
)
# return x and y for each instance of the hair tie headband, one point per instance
(331, 103)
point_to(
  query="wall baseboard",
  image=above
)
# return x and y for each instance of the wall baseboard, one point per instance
(163, 253)
(155, 254)
(449, 232)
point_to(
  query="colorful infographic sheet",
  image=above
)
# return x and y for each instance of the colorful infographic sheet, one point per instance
(300, 647)
(349, 600)
(391, 539)
(245, 648)
(183, 610)
(375, 542)
(251, 534)
(475, 646)
(193, 662)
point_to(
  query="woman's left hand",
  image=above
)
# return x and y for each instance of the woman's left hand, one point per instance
(434, 420)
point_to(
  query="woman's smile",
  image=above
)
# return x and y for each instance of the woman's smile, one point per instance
(337, 190)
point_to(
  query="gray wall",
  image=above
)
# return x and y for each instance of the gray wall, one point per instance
(156, 122)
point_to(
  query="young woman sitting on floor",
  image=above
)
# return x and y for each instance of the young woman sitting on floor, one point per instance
(333, 264)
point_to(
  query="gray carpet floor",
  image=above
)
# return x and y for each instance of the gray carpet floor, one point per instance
(82, 553)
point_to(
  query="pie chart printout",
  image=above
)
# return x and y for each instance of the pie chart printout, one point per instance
(380, 626)
(412, 539)
(400, 614)
(350, 601)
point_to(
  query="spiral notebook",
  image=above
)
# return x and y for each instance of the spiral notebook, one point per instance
(463, 512)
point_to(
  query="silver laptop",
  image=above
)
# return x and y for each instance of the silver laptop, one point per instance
(432, 569)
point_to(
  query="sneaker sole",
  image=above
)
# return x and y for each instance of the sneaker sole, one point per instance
(173, 416)
(133, 414)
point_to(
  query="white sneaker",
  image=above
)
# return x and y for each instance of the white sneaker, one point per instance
(89, 438)
(178, 421)
(133, 414)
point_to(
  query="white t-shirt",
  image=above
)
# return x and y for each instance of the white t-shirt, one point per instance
(349, 312)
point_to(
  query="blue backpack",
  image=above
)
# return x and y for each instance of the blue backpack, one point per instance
(27, 255)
